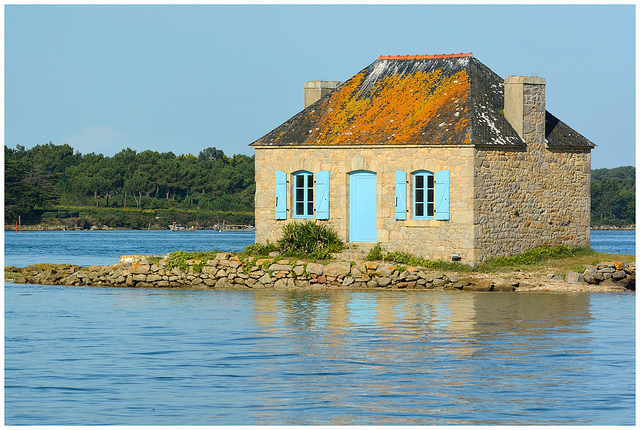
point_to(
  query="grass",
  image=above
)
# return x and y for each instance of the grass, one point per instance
(552, 260)
(535, 256)
(377, 253)
(559, 259)
(259, 249)
(179, 259)
(577, 263)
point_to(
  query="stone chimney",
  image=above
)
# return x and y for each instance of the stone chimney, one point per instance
(524, 106)
(315, 90)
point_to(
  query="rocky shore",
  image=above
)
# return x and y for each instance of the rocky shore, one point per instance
(613, 227)
(228, 271)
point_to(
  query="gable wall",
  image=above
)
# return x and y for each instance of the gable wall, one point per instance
(533, 197)
(433, 239)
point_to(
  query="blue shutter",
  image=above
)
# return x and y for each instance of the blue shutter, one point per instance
(401, 195)
(322, 194)
(281, 195)
(442, 195)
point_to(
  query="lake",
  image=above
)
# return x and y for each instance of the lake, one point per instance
(109, 356)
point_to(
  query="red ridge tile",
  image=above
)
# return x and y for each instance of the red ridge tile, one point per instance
(424, 57)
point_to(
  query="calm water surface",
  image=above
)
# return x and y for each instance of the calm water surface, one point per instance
(105, 247)
(85, 248)
(94, 356)
(614, 242)
(79, 355)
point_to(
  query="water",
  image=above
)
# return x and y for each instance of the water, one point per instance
(85, 248)
(614, 242)
(108, 356)
(105, 247)
(94, 356)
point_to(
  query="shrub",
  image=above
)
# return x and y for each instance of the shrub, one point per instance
(375, 253)
(309, 240)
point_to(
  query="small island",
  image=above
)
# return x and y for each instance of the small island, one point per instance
(224, 270)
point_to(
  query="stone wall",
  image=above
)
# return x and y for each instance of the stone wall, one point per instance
(227, 271)
(429, 239)
(531, 197)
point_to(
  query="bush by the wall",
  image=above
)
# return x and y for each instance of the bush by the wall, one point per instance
(309, 239)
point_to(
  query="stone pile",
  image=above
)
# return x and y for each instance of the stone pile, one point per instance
(227, 271)
(611, 273)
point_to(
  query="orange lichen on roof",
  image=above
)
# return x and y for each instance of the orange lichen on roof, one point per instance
(396, 109)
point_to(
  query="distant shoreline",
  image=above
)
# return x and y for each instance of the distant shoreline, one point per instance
(39, 227)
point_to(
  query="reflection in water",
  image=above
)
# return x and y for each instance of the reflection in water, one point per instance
(424, 358)
(82, 355)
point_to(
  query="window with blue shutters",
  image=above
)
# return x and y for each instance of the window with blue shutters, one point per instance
(423, 195)
(303, 195)
(310, 197)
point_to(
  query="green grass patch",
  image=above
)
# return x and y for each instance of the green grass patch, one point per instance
(179, 259)
(527, 259)
(535, 256)
(377, 253)
(259, 249)
(411, 260)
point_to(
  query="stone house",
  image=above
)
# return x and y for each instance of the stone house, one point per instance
(433, 155)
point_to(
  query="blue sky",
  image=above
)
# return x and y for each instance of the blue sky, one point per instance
(183, 78)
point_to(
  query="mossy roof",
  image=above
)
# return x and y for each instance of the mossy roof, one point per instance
(414, 100)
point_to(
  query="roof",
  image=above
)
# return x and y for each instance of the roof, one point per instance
(450, 99)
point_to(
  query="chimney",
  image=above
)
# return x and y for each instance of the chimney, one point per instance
(524, 106)
(315, 90)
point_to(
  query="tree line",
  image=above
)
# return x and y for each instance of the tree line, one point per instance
(45, 176)
(613, 196)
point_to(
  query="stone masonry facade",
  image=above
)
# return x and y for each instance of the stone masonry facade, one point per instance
(532, 197)
(432, 239)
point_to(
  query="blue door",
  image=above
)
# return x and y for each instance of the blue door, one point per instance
(362, 206)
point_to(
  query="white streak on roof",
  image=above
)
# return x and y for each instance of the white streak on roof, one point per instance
(393, 67)
(494, 129)
(379, 69)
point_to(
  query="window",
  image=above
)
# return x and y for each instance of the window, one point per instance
(429, 196)
(423, 195)
(303, 195)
